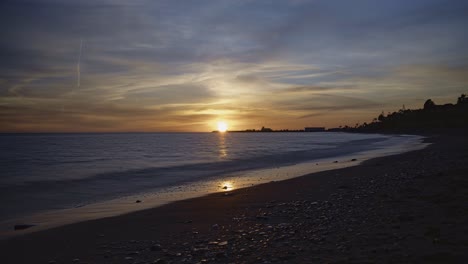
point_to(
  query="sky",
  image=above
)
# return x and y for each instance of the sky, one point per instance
(122, 66)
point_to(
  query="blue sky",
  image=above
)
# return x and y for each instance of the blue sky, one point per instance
(184, 65)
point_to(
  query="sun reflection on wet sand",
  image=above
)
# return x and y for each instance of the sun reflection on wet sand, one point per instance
(227, 186)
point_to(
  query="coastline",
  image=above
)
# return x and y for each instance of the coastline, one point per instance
(391, 209)
(232, 181)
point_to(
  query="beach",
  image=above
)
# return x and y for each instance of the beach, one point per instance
(406, 208)
(304, 131)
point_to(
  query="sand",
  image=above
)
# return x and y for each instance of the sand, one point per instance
(407, 208)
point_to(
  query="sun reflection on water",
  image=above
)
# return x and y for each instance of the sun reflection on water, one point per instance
(222, 145)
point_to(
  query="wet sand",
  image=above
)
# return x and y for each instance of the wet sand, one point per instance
(407, 208)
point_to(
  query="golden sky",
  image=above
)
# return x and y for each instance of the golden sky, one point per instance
(108, 66)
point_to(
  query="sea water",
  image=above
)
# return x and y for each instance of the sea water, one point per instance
(54, 172)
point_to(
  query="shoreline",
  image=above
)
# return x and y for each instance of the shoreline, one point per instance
(239, 180)
(376, 211)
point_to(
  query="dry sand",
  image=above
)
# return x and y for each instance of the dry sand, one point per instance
(407, 208)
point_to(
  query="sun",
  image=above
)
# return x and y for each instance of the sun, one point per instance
(222, 126)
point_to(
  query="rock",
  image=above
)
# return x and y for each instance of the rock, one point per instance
(198, 251)
(23, 226)
(156, 247)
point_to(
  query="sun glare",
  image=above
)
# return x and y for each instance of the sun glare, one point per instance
(222, 126)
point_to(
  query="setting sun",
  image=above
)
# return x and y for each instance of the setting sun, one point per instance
(222, 126)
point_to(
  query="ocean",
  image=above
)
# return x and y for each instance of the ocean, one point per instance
(56, 172)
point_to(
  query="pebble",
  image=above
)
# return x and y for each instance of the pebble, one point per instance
(156, 247)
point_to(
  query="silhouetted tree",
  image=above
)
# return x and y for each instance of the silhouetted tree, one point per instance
(462, 99)
(381, 117)
(431, 117)
(429, 104)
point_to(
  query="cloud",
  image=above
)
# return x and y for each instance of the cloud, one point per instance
(411, 84)
(163, 65)
(171, 94)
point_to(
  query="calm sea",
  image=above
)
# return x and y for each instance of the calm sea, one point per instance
(41, 172)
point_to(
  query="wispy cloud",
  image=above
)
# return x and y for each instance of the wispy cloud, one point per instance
(165, 65)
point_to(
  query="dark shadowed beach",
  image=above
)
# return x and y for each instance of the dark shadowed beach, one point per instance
(407, 208)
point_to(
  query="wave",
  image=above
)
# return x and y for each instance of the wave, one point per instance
(26, 197)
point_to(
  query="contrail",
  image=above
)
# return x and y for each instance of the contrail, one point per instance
(78, 71)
